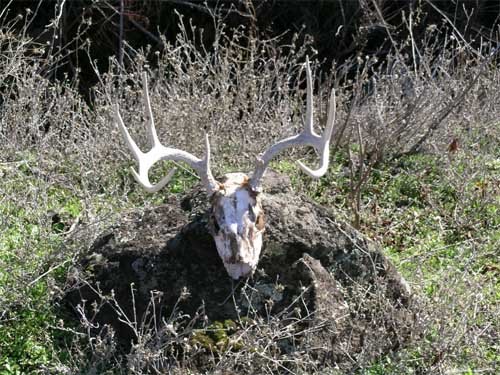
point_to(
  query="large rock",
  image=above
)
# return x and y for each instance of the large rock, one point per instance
(313, 268)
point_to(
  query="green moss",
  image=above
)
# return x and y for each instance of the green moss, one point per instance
(217, 337)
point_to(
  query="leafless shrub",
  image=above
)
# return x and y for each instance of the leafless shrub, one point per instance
(285, 342)
(245, 93)
(408, 103)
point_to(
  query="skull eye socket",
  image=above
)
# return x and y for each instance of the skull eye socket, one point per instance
(259, 223)
(251, 213)
(258, 220)
(214, 225)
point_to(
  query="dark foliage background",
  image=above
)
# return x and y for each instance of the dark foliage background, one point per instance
(340, 29)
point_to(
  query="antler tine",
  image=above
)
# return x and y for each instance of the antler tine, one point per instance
(324, 143)
(309, 128)
(159, 152)
(307, 137)
(153, 137)
(126, 135)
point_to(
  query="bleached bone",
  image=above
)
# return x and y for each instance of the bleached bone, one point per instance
(236, 214)
(308, 137)
(159, 152)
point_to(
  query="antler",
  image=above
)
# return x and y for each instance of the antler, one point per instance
(308, 137)
(160, 152)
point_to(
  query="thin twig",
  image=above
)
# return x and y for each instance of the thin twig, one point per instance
(49, 271)
(120, 36)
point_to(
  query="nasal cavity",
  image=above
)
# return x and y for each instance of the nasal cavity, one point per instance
(233, 243)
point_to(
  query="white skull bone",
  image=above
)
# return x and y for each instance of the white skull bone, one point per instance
(237, 224)
(237, 221)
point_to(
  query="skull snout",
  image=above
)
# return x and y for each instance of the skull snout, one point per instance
(239, 249)
(235, 227)
(238, 244)
(234, 247)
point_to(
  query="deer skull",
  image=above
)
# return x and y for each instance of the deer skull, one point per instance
(236, 215)
(237, 224)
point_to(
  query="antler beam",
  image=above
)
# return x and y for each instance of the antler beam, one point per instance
(159, 152)
(308, 137)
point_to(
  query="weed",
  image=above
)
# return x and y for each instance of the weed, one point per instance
(415, 166)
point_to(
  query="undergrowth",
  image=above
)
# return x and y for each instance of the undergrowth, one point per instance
(437, 218)
(434, 208)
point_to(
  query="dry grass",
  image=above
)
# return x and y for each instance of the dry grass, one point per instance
(433, 206)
